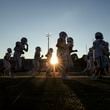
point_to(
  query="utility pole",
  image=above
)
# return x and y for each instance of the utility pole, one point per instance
(48, 36)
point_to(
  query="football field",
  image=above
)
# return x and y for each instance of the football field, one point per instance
(54, 93)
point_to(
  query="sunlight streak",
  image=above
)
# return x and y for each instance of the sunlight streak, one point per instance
(54, 59)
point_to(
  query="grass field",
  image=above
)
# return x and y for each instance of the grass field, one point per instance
(35, 93)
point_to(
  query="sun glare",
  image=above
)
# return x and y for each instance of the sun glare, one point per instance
(54, 60)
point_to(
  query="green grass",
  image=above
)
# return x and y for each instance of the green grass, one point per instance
(54, 94)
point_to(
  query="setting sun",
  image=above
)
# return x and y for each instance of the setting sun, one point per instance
(54, 59)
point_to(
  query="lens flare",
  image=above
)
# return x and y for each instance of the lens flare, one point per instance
(54, 60)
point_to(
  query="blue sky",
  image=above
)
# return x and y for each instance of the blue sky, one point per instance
(81, 19)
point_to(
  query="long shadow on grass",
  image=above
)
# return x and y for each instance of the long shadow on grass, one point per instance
(24, 95)
(5, 96)
(93, 98)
